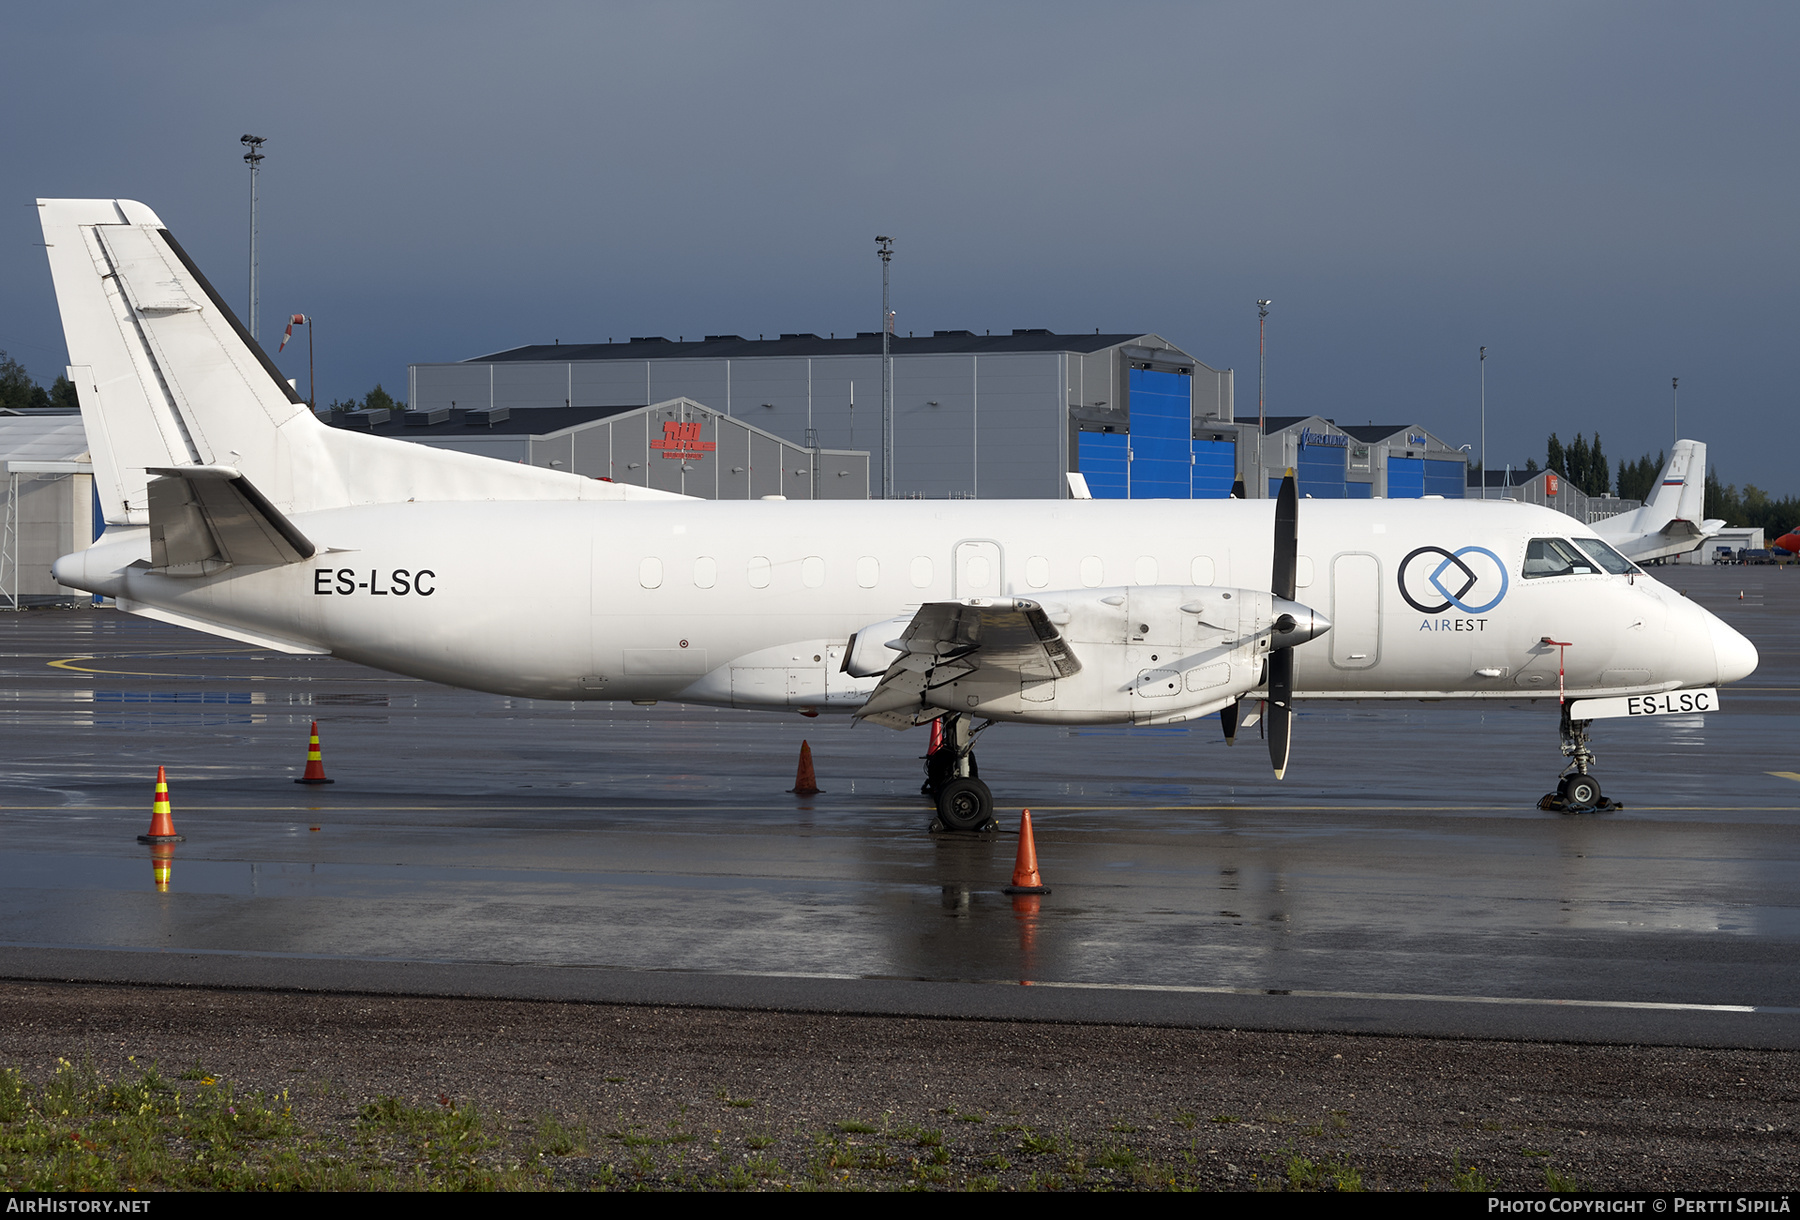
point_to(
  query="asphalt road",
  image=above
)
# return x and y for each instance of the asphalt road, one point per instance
(1400, 880)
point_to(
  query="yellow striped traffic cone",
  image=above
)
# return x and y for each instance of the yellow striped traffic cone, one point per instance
(315, 765)
(162, 825)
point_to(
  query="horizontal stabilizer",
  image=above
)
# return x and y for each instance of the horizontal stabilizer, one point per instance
(206, 518)
(256, 639)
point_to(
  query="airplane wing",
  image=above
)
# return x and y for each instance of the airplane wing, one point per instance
(207, 518)
(1010, 638)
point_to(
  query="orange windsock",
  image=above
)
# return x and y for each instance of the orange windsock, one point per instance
(315, 762)
(1025, 870)
(162, 823)
(805, 782)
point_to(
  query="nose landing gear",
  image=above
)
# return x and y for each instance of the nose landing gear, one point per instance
(952, 778)
(1577, 791)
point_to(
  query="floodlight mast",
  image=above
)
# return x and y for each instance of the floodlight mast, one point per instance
(1675, 404)
(1262, 364)
(1484, 423)
(884, 246)
(253, 158)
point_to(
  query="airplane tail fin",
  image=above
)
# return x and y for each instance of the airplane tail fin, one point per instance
(1680, 490)
(166, 374)
(1671, 522)
(168, 378)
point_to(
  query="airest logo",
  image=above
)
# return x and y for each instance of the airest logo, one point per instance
(1432, 580)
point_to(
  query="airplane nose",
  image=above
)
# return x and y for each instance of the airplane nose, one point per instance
(1736, 655)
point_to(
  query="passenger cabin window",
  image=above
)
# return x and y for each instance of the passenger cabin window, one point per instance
(1606, 557)
(1554, 557)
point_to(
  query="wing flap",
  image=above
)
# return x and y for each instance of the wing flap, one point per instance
(947, 641)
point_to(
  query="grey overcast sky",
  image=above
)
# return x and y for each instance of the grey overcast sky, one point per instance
(1602, 193)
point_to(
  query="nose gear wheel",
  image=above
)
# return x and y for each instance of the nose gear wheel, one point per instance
(1577, 791)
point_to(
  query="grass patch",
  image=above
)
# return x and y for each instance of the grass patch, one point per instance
(80, 1130)
(1335, 1173)
(1468, 1178)
(1559, 1182)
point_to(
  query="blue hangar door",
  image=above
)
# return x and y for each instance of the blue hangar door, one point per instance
(1162, 436)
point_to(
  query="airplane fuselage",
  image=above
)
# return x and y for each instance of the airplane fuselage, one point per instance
(752, 603)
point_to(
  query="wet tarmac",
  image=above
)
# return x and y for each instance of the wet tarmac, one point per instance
(1400, 879)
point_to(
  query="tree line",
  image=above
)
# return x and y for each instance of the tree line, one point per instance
(1581, 463)
(18, 392)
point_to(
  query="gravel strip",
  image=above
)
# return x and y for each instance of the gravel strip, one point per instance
(683, 1097)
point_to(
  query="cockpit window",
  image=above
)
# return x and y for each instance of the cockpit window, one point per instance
(1555, 557)
(1606, 557)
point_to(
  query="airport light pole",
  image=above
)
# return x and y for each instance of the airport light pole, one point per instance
(1484, 423)
(1675, 404)
(1262, 363)
(884, 246)
(253, 158)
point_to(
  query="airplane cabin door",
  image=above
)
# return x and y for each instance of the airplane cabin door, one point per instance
(978, 569)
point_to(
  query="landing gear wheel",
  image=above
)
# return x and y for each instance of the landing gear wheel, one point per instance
(1579, 791)
(940, 770)
(965, 804)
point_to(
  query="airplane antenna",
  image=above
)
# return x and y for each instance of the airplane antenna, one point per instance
(253, 158)
(884, 246)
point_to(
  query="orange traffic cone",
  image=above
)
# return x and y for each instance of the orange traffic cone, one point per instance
(162, 826)
(1025, 869)
(805, 782)
(315, 765)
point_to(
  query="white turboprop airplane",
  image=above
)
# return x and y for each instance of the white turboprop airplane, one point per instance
(231, 509)
(1673, 518)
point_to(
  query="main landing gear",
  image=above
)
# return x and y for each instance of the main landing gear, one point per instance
(1577, 791)
(952, 778)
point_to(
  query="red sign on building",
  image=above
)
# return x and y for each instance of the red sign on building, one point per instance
(681, 440)
(1549, 482)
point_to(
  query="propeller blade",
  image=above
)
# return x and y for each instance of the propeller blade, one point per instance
(1281, 708)
(1285, 572)
(1287, 538)
(1228, 720)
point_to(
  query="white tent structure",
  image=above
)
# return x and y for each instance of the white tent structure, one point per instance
(49, 504)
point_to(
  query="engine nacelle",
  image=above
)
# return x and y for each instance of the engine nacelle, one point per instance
(1149, 654)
